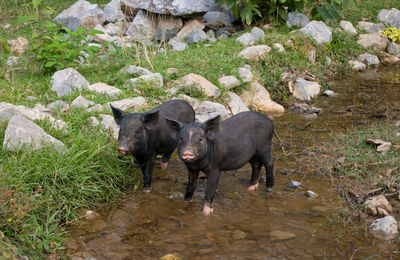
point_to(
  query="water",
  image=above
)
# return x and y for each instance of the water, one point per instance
(149, 226)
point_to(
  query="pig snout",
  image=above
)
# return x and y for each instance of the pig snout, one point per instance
(122, 150)
(187, 155)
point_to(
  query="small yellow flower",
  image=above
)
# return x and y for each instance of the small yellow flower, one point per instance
(9, 220)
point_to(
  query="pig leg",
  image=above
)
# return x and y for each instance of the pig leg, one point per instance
(255, 173)
(164, 161)
(147, 170)
(211, 188)
(269, 168)
(193, 176)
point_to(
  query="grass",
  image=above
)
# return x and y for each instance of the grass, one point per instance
(40, 191)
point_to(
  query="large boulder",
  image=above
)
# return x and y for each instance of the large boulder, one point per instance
(375, 41)
(173, 7)
(112, 11)
(201, 83)
(390, 17)
(257, 98)
(187, 28)
(255, 53)
(305, 90)
(81, 14)
(216, 20)
(318, 31)
(196, 36)
(65, 81)
(142, 28)
(207, 110)
(22, 132)
(167, 28)
(236, 104)
(296, 19)
(384, 228)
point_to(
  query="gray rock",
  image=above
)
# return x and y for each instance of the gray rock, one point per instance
(368, 59)
(384, 228)
(236, 104)
(294, 184)
(173, 7)
(258, 34)
(229, 82)
(81, 14)
(108, 122)
(21, 133)
(179, 46)
(129, 103)
(371, 27)
(207, 110)
(142, 28)
(305, 90)
(12, 61)
(168, 27)
(311, 194)
(225, 31)
(318, 31)
(81, 102)
(66, 81)
(193, 102)
(102, 88)
(201, 83)
(196, 36)
(255, 53)
(112, 12)
(94, 121)
(216, 20)
(245, 74)
(374, 41)
(115, 29)
(186, 29)
(279, 47)
(155, 79)
(135, 70)
(246, 39)
(211, 34)
(58, 105)
(104, 37)
(390, 17)
(394, 49)
(95, 108)
(330, 93)
(311, 116)
(296, 19)
(31, 98)
(357, 66)
(348, 27)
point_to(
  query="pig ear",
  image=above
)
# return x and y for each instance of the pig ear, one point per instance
(118, 114)
(174, 124)
(150, 117)
(211, 126)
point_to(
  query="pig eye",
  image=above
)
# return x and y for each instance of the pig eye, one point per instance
(138, 132)
(200, 139)
(180, 139)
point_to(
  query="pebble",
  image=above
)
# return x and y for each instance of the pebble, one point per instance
(311, 194)
(238, 234)
(294, 184)
(281, 235)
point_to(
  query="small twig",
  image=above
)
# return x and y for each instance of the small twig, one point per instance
(238, 195)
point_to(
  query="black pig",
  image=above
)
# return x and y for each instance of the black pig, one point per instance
(213, 147)
(144, 135)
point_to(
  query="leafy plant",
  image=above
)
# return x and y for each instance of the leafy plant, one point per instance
(392, 33)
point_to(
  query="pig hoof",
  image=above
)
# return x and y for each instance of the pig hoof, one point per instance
(147, 190)
(269, 189)
(164, 166)
(207, 210)
(253, 187)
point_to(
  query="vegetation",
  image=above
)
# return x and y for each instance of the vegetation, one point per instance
(392, 33)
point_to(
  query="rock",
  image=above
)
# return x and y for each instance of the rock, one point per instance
(95, 108)
(312, 55)
(187, 28)
(65, 81)
(8, 110)
(318, 31)
(348, 27)
(196, 35)
(31, 98)
(311, 194)
(104, 37)
(107, 121)
(330, 93)
(21, 133)
(281, 235)
(94, 121)
(258, 34)
(371, 27)
(211, 34)
(115, 29)
(246, 39)
(80, 14)
(129, 103)
(193, 102)
(394, 49)
(18, 45)
(81, 102)
(176, 195)
(12, 61)
(382, 146)
(257, 98)
(305, 90)
(255, 53)
(294, 184)
(375, 41)
(296, 19)
(155, 79)
(372, 206)
(207, 110)
(279, 47)
(311, 116)
(103, 88)
(368, 59)
(112, 12)
(170, 257)
(238, 234)
(216, 20)
(135, 70)
(228, 82)
(225, 31)
(168, 27)
(390, 17)
(58, 105)
(173, 7)
(171, 71)
(384, 228)
(142, 28)
(389, 59)
(357, 66)
(236, 104)
(179, 46)
(245, 74)
(201, 83)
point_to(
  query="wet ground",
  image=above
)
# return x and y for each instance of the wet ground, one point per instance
(284, 224)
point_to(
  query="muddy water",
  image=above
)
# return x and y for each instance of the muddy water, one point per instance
(149, 226)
